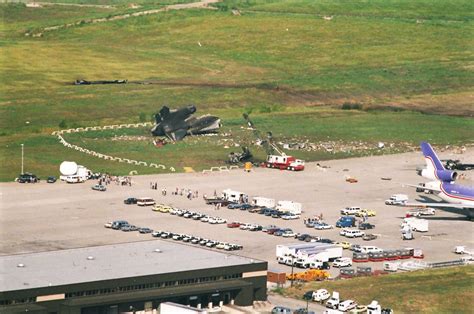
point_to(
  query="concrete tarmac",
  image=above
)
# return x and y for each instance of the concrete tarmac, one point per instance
(42, 217)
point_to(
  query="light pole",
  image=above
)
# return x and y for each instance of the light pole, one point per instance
(22, 155)
(292, 267)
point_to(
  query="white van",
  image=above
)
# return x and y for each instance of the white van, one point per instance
(346, 305)
(353, 233)
(145, 201)
(371, 249)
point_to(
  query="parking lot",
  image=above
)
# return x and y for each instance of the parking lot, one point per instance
(42, 216)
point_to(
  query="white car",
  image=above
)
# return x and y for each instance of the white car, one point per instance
(205, 219)
(346, 305)
(343, 231)
(290, 216)
(212, 220)
(108, 225)
(245, 226)
(322, 226)
(288, 234)
(342, 262)
(221, 220)
(221, 245)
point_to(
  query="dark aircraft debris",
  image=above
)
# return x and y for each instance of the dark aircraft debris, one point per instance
(176, 124)
(84, 82)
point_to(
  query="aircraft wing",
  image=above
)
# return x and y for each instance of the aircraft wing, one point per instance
(441, 205)
(177, 135)
(423, 187)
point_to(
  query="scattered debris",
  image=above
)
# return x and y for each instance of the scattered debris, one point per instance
(84, 82)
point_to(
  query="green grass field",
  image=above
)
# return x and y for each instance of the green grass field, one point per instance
(447, 290)
(292, 70)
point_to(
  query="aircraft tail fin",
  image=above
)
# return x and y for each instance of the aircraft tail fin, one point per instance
(432, 161)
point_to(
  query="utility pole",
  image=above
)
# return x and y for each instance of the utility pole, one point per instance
(22, 156)
(292, 266)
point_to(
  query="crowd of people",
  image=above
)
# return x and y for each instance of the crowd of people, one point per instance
(106, 179)
(190, 194)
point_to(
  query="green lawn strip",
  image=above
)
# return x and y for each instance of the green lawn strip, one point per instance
(447, 290)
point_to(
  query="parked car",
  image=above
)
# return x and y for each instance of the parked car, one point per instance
(281, 310)
(288, 233)
(233, 206)
(245, 226)
(233, 224)
(369, 237)
(127, 228)
(177, 237)
(195, 240)
(323, 240)
(245, 206)
(99, 187)
(108, 224)
(255, 227)
(130, 201)
(342, 262)
(28, 178)
(366, 226)
(321, 295)
(145, 230)
(356, 248)
(359, 309)
(344, 244)
(353, 233)
(366, 212)
(186, 238)
(290, 216)
(51, 179)
(322, 226)
(302, 237)
(266, 228)
(156, 234)
(346, 305)
(350, 210)
(116, 225)
(165, 235)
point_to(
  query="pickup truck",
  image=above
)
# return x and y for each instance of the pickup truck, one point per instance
(350, 210)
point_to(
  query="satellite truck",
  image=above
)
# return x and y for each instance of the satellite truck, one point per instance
(73, 173)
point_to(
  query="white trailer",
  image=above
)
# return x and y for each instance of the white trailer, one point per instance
(234, 196)
(312, 251)
(263, 202)
(289, 207)
(416, 224)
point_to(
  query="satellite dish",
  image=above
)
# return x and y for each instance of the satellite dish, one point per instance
(68, 168)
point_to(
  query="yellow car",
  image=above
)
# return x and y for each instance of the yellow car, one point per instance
(344, 244)
(165, 209)
(366, 212)
(162, 208)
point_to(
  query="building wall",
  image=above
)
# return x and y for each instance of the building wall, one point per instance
(243, 284)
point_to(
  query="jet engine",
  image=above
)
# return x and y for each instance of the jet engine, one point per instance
(442, 175)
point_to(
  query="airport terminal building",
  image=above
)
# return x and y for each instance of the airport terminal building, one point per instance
(125, 278)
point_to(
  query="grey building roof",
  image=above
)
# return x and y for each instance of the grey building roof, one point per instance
(108, 262)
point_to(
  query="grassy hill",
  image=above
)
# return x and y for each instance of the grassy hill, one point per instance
(447, 290)
(279, 59)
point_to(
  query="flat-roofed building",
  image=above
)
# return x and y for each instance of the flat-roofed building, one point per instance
(128, 277)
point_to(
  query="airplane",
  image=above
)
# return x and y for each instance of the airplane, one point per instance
(444, 186)
(176, 124)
